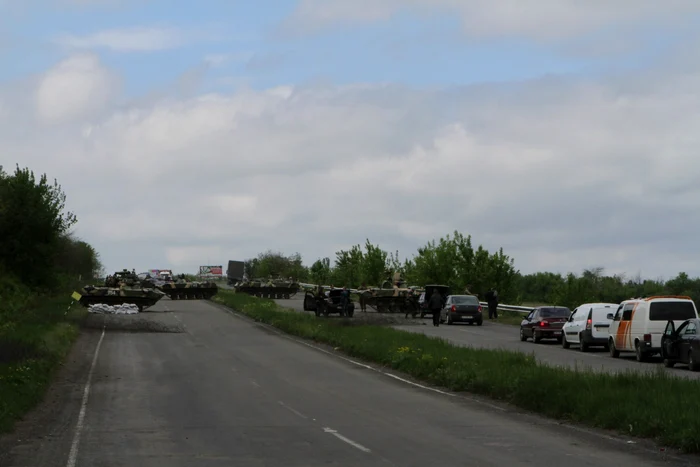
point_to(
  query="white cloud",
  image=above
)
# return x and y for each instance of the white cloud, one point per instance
(141, 39)
(77, 87)
(541, 19)
(562, 173)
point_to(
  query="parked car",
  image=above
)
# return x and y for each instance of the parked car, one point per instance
(544, 322)
(444, 291)
(639, 324)
(463, 309)
(588, 326)
(681, 345)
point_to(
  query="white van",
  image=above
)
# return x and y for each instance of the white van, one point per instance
(639, 323)
(588, 325)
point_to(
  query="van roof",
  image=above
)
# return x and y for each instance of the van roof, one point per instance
(660, 297)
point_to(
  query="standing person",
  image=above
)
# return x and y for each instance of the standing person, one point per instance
(492, 300)
(435, 306)
(344, 298)
(363, 298)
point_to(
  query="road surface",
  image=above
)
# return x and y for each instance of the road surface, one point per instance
(228, 391)
(503, 336)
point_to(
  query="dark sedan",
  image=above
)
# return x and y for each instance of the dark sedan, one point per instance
(544, 322)
(462, 309)
(681, 345)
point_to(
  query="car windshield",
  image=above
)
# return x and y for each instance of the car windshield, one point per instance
(671, 311)
(464, 300)
(555, 312)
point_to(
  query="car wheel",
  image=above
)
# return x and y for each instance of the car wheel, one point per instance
(668, 363)
(523, 338)
(692, 363)
(449, 320)
(583, 347)
(480, 322)
(564, 342)
(614, 353)
(536, 338)
(639, 353)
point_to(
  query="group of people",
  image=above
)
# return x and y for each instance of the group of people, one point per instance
(437, 301)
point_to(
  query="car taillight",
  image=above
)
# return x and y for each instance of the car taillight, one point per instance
(589, 323)
(647, 337)
(544, 323)
(454, 308)
(478, 309)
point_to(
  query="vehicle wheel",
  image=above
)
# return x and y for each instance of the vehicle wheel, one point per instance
(350, 313)
(564, 342)
(692, 363)
(523, 338)
(614, 353)
(480, 322)
(583, 347)
(449, 321)
(536, 338)
(668, 363)
(639, 353)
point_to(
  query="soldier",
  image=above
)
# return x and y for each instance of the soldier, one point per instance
(344, 299)
(435, 306)
(492, 299)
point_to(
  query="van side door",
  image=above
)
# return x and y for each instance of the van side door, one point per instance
(623, 340)
(615, 325)
(571, 332)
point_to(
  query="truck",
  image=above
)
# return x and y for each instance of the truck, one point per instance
(235, 272)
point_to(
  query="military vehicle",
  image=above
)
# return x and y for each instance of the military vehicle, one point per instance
(330, 302)
(429, 289)
(182, 289)
(120, 288)
(392, 297)
(270, 288)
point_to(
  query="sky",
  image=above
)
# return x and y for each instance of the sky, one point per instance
(193, 133)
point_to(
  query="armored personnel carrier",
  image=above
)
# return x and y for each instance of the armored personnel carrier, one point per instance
(182, 289)
(270, 288)
(120, 288)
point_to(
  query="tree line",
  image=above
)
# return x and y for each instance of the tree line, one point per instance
(39, 254)
(454, 260)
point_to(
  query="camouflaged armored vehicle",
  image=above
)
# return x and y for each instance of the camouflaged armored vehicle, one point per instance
(182, 289)
(120, 288)
(270, 288)
(392, 297)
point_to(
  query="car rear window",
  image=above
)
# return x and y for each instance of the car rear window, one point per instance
(465, 300)
(555, 312)
(671, 311)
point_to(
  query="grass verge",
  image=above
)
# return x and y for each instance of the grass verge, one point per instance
(650, 405)
(34, 343)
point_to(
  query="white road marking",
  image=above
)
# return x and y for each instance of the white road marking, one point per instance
(254, 383)
(345, 439)
(295, 412)
(73, 455)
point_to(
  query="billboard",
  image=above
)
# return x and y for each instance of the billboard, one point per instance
(211, 271)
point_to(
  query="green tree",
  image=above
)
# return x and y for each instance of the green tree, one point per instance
(32, 221)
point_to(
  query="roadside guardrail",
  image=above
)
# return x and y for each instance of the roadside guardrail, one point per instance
(517, 309)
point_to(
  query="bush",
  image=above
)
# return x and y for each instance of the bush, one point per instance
(633, 403)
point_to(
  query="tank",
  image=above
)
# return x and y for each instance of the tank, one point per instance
(120, 288)
(182, 289)
(268, 288)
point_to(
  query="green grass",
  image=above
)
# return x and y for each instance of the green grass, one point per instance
(652, 405)
(35, 337)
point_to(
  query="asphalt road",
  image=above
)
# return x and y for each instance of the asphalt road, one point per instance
(503, 336)
(228, 391)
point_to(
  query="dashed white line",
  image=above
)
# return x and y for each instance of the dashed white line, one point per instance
(346, 439)
(254, 383)
(295, 412)
(73, 455)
